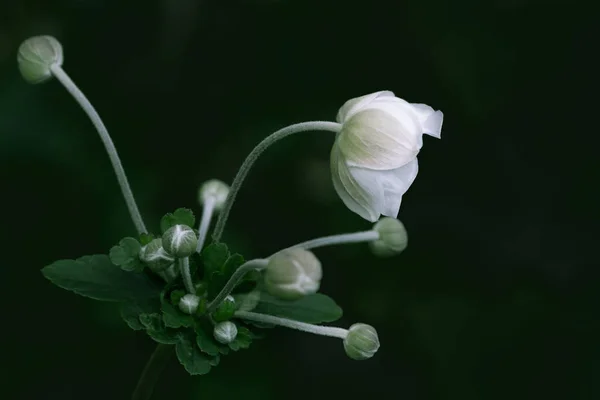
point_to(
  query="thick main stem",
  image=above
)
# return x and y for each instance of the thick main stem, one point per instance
(207, 212)
(237, 276)
(288, 323)
(253, 156)
(346, 238)
(78, 95)
(154, 367)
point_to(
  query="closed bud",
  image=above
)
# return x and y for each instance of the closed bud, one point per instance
(292, 274)
(225, 310)
(216, 190)
(155, 257)
(225, 332)
(180, 241)
(189, 303)
(361, 342)
(393, 238)
(35, 57)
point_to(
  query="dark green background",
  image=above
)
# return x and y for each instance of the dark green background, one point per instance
(496, 296)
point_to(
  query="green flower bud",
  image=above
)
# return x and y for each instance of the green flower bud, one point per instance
(216, 189)
(155, 257)
(225, 310)
(392, 238)
(35, 57)
(293, 273)
(362, 342)
(189, 303)
(180, 241)
(225, 332)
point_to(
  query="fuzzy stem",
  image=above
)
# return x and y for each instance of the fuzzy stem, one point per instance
(357, 237)
(253, 156)
(184, 268)
(78, 95)
(154, 367)
(288, 323)
(207, 213)
(237, 276)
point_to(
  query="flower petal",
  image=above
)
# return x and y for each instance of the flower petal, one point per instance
(355, 105)
(431, 120)
(353, 196)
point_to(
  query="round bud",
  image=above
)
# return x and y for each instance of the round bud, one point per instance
(361, 342)
(35, 57)
(180, 241)
(225, 332)
(293, 273)
(155, 257)
(215, 189)
(392, 237)
(225, 310)
(189, 303)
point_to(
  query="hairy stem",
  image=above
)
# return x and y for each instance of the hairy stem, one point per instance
(184, 268)
(253, 156)
(207, 212)
(357, 237)
(288, 323)
(154, 367)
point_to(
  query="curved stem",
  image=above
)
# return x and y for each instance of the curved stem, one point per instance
(62, 76)
(253, 156)
(366, 236)
(237, 276)
(184, 268)
(207, 212)
(288, 323)
(154, 367)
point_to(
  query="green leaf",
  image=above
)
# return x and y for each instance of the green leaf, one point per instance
(191, 357)
(126, 255)
(242, 340)
(174, 318)
(156, 329)
(232, 263)
(181, 216)
(130, 312)
(146, 238)
(313, 309)
(214, 258)
(96, 277)
(206, 342)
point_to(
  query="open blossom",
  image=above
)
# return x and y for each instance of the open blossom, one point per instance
(374, 158)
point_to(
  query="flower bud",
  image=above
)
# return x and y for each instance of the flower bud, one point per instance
(361, 342)
(180, 241)
(392, 238)
(225, 332)
(189, 303)
(216, 189)
(35, 57)
(155, 257)
(225, 310)
(293, 273)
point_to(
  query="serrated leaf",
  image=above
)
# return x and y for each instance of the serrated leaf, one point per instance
(146, 238)
(130, 312)
(156, 329)
(242, 340)
(214, 257)
(206, 342)
(173, 318)
(215, 360)
(190, 356)
(98, 278)
(164, 337)
(232, 264)
(181, 216)
(313, 309)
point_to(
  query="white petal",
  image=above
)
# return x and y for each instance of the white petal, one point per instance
(353, 196)
(377, 139)
(355, 105)
(431, 120)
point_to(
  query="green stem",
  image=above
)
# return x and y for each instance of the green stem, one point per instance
(288, 323)
(184, 268)
(78, 95)
(253, 156)
(154, 367)
(357, 237)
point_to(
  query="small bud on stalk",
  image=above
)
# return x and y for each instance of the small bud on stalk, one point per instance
(35, 57)
(361, 342)
(392, 238)
(293, 273)
(225, 332)
(155, 257)
(189, 303)
(180, 241)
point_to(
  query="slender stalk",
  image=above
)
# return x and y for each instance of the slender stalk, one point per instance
(78, 95)
(237, 276)
(288, 323)
(184, 268)
(357, 237)
(253, 156)
(207, 213)
(154, 367)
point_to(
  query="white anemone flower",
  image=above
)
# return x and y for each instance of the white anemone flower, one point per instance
(374, 158)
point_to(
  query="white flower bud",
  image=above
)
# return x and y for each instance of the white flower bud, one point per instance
(215, 189)
(361, 342)
(293, 273)
(374, 158)
(155, 257)
(35, 57)
(189, 303)
(180, 241)
(393, 238)
(225, 332)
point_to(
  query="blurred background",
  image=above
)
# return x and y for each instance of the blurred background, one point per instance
(496, 296)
